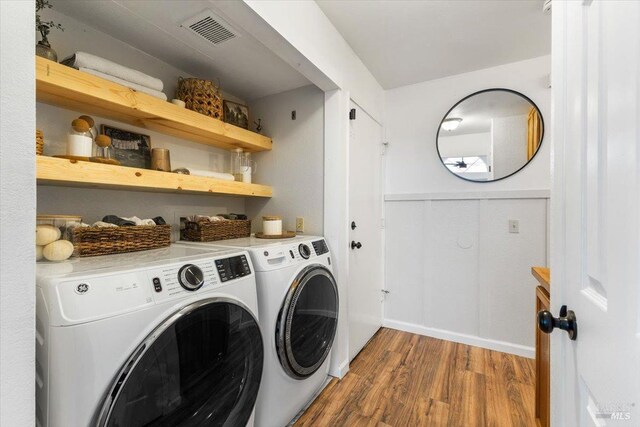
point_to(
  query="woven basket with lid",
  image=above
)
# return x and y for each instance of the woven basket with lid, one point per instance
(199, 95)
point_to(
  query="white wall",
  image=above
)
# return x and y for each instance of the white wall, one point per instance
(413, 115)
(311, 44)
(509, 141)
(453, 269)
(17, 215)
(295, 165)
(89, 203)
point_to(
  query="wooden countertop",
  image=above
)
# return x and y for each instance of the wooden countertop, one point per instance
(543, 275)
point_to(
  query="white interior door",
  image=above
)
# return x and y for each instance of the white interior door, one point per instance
(365, 209)
(595, 235)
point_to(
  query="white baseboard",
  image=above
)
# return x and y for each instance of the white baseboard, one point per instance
(505, 347)
(341, 370)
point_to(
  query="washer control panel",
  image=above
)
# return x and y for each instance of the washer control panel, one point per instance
(175, 280)
(233, 267)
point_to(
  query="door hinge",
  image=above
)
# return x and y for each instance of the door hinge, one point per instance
(352, 114)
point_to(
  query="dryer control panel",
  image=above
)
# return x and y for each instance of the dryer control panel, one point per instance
(233, 268)
(320, 246)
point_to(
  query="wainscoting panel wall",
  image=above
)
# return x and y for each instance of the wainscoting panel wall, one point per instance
(454, 270)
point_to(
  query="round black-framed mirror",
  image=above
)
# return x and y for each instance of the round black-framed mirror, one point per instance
(490, 135)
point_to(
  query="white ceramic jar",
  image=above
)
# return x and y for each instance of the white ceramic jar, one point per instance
(272, 225)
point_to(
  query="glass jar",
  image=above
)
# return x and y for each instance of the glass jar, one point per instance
(79, 139)
(237, 159)
(104, 150)
(61, 222)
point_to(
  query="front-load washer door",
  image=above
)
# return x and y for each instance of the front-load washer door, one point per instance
(200, 367)
(307, 322)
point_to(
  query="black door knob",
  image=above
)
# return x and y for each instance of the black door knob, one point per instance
(355, 245)
(353, 225)
(566, 321)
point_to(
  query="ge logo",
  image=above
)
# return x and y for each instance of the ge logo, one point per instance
(82, 288)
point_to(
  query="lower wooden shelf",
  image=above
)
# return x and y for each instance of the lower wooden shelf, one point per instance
(54, 171)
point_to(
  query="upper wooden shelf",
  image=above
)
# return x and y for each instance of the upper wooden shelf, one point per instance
(67, 87)
(51, 170)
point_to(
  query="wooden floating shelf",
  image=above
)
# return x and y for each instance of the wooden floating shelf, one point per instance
(74, 173)
(67, 87)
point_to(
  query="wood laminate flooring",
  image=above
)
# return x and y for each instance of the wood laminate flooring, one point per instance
(402, 379)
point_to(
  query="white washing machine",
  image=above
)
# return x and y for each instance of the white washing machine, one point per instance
(167, 337)
(298, 305)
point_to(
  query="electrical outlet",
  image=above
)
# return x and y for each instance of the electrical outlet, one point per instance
(514, 226)
(299, 224)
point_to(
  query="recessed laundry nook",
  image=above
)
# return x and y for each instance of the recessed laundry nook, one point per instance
(275, 213)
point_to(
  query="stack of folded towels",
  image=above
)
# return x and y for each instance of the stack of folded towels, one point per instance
(116, 73)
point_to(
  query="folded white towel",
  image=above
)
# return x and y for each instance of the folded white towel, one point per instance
(210, 174)
(134, 86)
(93, 62)
(103, 224)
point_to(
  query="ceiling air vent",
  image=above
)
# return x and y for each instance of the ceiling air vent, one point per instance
(211, 27)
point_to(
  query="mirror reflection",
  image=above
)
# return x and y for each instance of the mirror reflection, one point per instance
(490, 135)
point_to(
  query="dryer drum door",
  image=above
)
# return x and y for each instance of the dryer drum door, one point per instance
(200, 367)
(307, 322)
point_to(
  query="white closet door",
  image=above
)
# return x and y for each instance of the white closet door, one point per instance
(365, 296)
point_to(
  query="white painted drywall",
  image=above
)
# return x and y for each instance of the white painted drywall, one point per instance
(413, 115)
(313, 35)
(509, 141)
(295, 165)
(17, 214)
(453, 269)
(336, 218)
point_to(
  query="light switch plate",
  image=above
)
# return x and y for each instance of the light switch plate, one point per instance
(299, 224)
(514, 226)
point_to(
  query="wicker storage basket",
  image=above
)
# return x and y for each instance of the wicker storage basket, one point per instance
(210, 231)
(93, 241)
(39, 142)
(202, 96)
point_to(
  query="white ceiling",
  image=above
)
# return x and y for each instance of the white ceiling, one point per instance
(404, 42)
(245, 67)
(478, 111)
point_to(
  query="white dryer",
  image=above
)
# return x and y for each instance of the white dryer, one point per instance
(298, 305)
(167, 337)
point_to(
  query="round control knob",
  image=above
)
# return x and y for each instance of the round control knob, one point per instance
(191, 277)
(304, 250)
